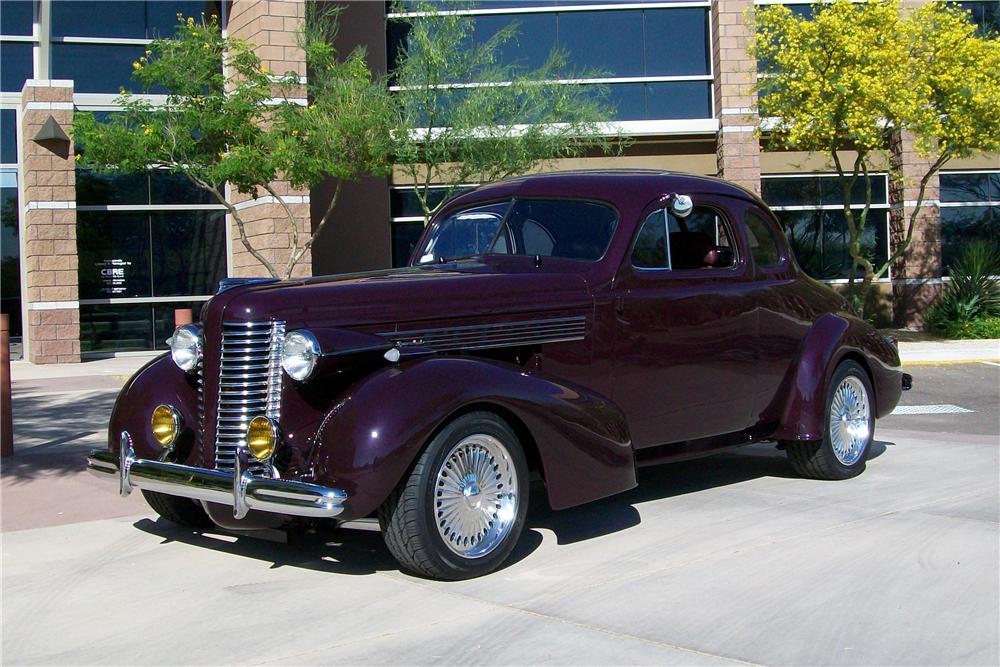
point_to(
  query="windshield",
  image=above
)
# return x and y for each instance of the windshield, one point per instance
(571, 229)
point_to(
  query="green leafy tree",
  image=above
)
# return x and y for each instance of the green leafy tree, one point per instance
(850, 75)
(228, 120)
(466, 117)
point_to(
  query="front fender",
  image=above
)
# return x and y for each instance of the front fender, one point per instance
(832, 337)
(369, 440)
(159, 381)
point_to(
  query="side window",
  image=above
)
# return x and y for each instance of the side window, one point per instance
(668, 242)
(464, 234)
(763, 240)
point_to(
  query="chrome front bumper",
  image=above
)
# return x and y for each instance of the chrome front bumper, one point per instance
(239, 489)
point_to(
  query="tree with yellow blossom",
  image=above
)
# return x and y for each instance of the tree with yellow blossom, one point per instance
(848, 76)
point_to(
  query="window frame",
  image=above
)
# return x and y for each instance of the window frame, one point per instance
(739, 256)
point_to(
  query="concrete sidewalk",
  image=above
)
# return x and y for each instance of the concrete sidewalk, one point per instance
(950, 351)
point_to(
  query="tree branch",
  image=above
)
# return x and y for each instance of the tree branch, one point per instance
(319, 228)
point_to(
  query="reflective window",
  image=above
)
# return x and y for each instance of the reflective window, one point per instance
(167, 188)
(116, 189)
(114, 251)
(10, 252)
(16, 17)
(676, 42)
(666, 241)
(96, 68)
(984, 13)
(603, 43)
(679, 99)
(132, 19)
(970, 211)
(464, 234)
(650, 249)
(188, 252)
(17, 65)
(531, 47)
(818, 190)
(404, 204)
(557, 228)
(405, 236)
(764, 246)
(8, 136)
(129, 327)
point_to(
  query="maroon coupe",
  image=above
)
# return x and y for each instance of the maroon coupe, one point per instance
(573, 326)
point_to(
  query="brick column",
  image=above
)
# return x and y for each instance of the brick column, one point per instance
(271, 27)
(737, 146)
(916, 276)
(49, 263)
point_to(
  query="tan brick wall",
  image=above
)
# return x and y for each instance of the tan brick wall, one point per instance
(49, 262)
(271, 27)
(737, 146)
(917, 274)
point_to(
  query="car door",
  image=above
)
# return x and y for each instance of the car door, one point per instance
(686, 332)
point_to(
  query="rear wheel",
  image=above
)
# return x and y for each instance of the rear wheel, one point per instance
(848, 432)
(182, 511)
(460, 511)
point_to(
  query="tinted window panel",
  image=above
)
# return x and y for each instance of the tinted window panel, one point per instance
(167, 188)
(604, 43)
(650, 249)
(114, 254)
(161, 17)
(97, 189)
(163, 319)
(405, 236)
(628, 99)
(531, 47)
(803, 229)
(96, 68)
(16, 17)
(10, 252)
(965, 187)
(464, 234)
(995, 186)
(8, 136)
(71, 18)
(763, 242)
(821, 243)
(17, 65)
(551, 228)
(802, 191)
(115, 328)
(679, 99)
(188, 252)
(833, 191)
(676, 42)
(404, 203)
(962, 225)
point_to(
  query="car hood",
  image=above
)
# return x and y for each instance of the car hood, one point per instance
(396, 297)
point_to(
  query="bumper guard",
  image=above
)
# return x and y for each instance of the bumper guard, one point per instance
(239, 489)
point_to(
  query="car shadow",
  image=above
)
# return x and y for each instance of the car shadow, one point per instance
(358, 548)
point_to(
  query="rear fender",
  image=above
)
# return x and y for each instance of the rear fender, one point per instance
(832, 338)
(369, 440)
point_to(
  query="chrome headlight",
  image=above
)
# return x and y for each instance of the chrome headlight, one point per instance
(185, 347)
(300, 354)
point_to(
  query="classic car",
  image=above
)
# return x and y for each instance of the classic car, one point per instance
(565, 328)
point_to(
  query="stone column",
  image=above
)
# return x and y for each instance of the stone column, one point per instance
(737, 146)
(49, 262)
(916, 276)
(271, 27)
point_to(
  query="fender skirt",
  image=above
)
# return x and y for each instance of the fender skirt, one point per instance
(370, 439)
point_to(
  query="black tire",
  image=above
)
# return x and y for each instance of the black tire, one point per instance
(817, 458)
(408, 517)
(182, 511)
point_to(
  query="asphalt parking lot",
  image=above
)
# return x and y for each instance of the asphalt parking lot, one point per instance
(730, 559)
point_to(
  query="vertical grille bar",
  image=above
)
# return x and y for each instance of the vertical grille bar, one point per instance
(249, 386)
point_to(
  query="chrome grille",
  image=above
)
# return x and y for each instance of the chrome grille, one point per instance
(249, 386)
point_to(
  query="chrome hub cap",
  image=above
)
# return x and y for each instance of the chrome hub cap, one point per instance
(475, 497)
(850, 423)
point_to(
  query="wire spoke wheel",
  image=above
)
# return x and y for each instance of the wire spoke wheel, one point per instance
(850, 420)
(476, 496)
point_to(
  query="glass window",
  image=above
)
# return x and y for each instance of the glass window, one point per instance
(764, 245)
(161, 16)
(962, 225)
(167, 188)
(650, 249)
(405, 236)
(984, 13)
(17, 65)
(820, 240)
(188, 252)
(557, 228)
(133, 19)
(97, 68)
(603, 43)
(966, 187)
(10, 252)
(676, 42)
(114, 251)
(819, 190)
(404, 204)
(536, 37)
(679, 99)
(115, 327)
(93, 188)
(8, 136)
(16, 17)
(464, 234)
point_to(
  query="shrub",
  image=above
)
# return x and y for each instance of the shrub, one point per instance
(984, 327)
(973, 292)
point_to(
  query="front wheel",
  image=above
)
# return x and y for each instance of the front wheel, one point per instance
(460, 511)
(182, 511)
(848, 432)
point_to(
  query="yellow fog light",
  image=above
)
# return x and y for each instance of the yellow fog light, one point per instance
(166, 424)
(262, 437)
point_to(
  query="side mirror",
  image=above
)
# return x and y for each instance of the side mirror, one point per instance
(718, 257)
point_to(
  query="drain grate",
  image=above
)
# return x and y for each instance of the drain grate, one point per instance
(929, 409)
